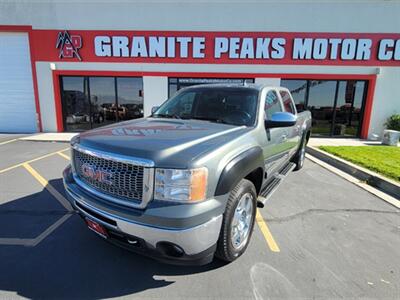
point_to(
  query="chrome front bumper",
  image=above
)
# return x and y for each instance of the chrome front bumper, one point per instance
(192, 240)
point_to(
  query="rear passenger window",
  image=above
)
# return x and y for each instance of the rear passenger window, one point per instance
(287, 102)
(272, 104)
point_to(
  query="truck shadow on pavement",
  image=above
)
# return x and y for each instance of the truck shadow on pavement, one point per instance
(71, 262)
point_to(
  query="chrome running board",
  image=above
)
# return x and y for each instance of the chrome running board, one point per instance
(273, 185)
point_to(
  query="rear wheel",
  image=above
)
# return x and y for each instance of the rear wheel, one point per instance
(238, 221)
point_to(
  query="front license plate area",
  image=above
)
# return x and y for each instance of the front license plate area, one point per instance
(97, 228)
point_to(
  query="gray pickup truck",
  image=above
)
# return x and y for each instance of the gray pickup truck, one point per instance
(183, 185)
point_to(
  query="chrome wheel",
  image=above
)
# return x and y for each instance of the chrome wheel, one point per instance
(241, 222)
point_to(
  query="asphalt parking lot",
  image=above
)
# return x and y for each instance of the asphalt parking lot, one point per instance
(319, 237)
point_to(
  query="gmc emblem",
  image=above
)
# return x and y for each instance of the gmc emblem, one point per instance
(97, 174)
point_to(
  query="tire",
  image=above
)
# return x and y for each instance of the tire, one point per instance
(228, 248)
(299, 158)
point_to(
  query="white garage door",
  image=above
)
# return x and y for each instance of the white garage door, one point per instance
(17, 102)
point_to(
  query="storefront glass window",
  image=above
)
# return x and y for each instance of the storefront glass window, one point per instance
(90, 102)
(130, 98)
(175, 84)
(336, 106)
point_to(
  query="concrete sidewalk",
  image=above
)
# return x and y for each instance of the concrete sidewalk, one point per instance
(316, 142)
(50, 137)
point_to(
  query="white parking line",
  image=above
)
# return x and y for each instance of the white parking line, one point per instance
(38, 239)
(49, 230)
(7, 142)
(32, 160)
(56, 194)
(64, 155)
(60, 198)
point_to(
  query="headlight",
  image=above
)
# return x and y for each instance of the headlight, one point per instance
(181, 185)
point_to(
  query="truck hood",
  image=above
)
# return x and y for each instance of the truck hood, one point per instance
(169, 143)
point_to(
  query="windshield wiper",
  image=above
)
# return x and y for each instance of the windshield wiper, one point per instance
(215, 120)
(174, 116)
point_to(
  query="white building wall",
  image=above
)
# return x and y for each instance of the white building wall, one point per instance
(46, 97)
(155, 92)
(268, 81)
(225, 15)
(386, 99)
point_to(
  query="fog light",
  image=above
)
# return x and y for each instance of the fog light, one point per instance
(170, 249)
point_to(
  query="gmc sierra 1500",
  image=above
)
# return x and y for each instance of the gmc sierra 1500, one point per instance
(183, 184)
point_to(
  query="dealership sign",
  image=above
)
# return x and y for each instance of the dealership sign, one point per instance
(68, 45)
(220, 47)
(244, 48)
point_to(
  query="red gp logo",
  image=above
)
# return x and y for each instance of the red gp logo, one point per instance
(97, 174)
(69, 45)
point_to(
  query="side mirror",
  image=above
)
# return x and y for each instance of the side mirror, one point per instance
(154, 109)
(281, 119)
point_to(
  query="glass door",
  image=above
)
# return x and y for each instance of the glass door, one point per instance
(349, 104)
(321, 103)
(76, 105)
(102, 100)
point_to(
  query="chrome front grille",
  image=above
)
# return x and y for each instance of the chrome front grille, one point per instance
(119, 180)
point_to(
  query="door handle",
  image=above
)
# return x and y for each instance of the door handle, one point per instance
(284, 137)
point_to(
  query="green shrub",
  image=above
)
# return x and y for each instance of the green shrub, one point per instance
(393, 122)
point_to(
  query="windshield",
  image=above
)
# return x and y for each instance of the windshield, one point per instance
(235, 106)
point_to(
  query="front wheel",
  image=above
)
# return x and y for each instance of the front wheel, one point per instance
(238, 222)
(301, 154)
